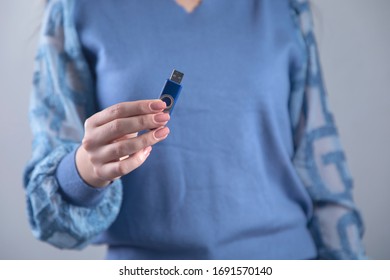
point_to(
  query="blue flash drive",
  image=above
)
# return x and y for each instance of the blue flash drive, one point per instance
(171, 90)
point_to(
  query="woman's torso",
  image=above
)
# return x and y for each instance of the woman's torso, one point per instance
(222, 185)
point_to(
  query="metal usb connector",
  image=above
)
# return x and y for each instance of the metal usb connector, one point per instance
(176, 76)
(171, 90)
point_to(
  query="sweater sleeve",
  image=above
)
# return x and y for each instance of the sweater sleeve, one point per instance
(336, 224)
(63, 210)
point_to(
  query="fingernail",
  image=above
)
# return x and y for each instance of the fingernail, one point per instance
(145, 155)
(147, 150)
(157, 105)
(162, 117)
(161, 133)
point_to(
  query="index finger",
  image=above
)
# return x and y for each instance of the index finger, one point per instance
(125, 110)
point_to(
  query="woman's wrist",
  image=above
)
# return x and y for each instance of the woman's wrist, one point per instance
(86, 170)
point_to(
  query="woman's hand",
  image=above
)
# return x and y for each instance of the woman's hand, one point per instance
(111, 146)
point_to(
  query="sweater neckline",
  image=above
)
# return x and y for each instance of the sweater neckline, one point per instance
(189, 5)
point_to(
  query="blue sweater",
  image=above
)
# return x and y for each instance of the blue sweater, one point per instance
(252, 169)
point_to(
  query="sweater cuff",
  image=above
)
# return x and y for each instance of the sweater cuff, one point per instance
(74, 189)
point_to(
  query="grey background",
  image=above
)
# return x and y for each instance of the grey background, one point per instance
(354, 42)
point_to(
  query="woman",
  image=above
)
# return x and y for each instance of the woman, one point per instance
(252, 168)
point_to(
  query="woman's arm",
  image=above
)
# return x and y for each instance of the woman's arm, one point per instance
(63, 209)
(336, 224)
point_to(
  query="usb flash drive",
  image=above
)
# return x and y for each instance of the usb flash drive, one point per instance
(171, 90)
